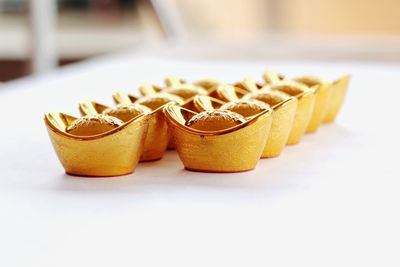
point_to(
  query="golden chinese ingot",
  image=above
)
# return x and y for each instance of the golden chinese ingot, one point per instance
(112, 153)
(229, 150)
(284, 107)
(180, 88)
(322, 97)
(157, 136)
(328, 100)
(339, 89)
(306, 99)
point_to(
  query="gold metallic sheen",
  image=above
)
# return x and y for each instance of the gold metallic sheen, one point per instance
(322, 97)
(282, 117)
(157, 136)
(306, 99)
(339, 89)
(112, 153)
(230, 150)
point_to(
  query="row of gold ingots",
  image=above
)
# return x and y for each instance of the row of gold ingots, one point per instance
(214, 127)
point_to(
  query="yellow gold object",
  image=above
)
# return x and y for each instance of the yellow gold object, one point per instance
(111, 153)
(271, 77)
(284, 107)
(215, 120)
(93, 125)
(246, 108)
(157, 136)
(306, 100)
(124, 112)
(233, 149)
(207, 84)
(322, 97)
(339, 89)
(181, 88)
(203, 103)
(248, 84)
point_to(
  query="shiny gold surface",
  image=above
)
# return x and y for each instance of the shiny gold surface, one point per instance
(207, 84)
(322, 98)
(339, 89)
(93, 125)
(230, 150)
(157, 136)
(285, 108)
(112, 153)
(203, 103)
(271, 77)
(306, 99)
(215, 120)
(126, 112)
(246, 108)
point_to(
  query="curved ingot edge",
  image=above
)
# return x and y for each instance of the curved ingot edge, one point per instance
(99, 176)
(169, 109)
(337, 98)
(91, 164)
(218, 171)
(284, 102)
(48, 121)
(153, 119)
(193, 161)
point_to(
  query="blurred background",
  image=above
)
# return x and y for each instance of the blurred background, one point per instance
(39, 35)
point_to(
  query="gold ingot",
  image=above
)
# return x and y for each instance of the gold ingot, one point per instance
(157, 136)
(176, 87)
(306, 99)
(234, 149)
(271, 77)
(246, 108)
(283, 105)
(124, 112)
(111, 153)
(215, 120)
(93, 125)
(208, 84)
(322, 97)
(339, 89)
(328, 100)
(182, 89)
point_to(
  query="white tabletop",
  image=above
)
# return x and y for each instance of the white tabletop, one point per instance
(332, 200)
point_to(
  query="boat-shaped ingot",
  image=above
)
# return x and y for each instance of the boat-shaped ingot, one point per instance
(305, 106)
(271, 77)
(111, 153)
(322, 97)
(157, 136)
(339, 89)
(233, 149)
(283, 105)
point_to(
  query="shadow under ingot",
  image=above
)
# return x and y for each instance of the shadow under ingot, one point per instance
(112, 153)
(339, 89)
(234, 149)
(157, 136)
(283, 105)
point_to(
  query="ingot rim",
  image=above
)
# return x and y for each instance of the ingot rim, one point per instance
(171, 119)
(54, 128)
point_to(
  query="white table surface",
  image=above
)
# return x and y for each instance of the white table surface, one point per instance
(332, 200)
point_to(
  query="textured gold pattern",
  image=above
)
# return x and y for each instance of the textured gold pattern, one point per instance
(229, 150)
(115, 152)
(214, 126)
